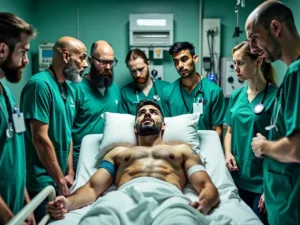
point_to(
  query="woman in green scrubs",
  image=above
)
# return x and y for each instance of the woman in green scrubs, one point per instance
(248, 113)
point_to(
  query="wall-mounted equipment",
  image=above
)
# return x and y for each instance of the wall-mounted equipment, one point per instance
(150, 30)
(45, 55)
(211, 49)
(230, 82)
(156, 72)
(158, 53)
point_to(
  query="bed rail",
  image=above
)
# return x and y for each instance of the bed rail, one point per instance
(34, 203)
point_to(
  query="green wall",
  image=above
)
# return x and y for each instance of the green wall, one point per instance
(109, 20)
(22, 8)
(225, 11)
(91, 20)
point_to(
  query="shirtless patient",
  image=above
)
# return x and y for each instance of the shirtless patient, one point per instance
(151, 158)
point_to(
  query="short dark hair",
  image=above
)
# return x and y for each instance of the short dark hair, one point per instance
(275, 10)
(12, 27)
(134, 54)
(148, 102)
(179, 46)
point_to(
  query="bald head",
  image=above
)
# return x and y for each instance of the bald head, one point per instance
(70, 44)
(69, 59)
(102, 60)
(101, 48)
(271, 10)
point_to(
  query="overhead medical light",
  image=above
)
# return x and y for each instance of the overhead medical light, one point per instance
(151, 22)
(152, 36)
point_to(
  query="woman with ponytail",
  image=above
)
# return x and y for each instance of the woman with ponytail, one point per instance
(248, 113)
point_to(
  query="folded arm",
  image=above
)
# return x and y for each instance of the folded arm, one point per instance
(286, 150)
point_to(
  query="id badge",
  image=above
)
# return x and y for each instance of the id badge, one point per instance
(18, 120)
(198, 107)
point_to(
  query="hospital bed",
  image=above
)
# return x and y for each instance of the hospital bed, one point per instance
(212, 154)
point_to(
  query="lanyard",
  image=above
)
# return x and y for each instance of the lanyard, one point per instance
(9, 129)
(199, 91)
(59, 85)
(274, 121)
(8, 106)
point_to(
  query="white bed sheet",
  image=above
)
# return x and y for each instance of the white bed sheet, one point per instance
(230, 203)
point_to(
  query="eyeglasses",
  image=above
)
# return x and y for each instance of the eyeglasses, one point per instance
(105, 62)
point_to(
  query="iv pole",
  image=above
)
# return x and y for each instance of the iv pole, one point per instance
(237, 30)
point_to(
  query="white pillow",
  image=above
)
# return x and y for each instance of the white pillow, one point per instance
(119, 129)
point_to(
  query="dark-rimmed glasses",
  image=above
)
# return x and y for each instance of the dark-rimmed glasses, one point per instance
(103, 62)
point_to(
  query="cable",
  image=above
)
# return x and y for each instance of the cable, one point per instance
(209, 49)
(211, 33)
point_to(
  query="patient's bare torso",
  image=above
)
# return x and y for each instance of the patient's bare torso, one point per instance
(163, 162)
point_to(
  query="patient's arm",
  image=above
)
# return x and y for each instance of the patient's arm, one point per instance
(208, 194)
(85, 195)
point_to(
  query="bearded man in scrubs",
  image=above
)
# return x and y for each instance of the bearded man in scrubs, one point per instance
(249, 112)
(143, 87)
(272, 33)
(48, 104)
(95, 95)
(193, 93)
(15, 35)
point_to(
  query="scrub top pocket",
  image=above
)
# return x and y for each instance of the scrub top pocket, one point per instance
(281, 182)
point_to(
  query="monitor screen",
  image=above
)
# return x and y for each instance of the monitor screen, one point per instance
(47, 53)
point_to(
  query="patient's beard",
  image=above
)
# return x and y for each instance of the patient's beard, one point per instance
(102, 78)
(151, 129)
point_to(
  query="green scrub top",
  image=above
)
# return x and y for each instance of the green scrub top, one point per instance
(213, 108)
(245, 125)
(90, 106)
(12, 160)
(41, 100)
(130, 98)
(282, 180)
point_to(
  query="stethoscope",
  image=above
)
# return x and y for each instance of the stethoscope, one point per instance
(9, 129)
(198, 92)
(273, 122)
(155, 96)
(259, 108)
(59, 85)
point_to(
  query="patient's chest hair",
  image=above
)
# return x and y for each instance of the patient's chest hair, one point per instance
(158, 152)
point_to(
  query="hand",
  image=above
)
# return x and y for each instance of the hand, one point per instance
(230, 162)
(63, 188)
(261, 204)
(201, 206)
(58, 208)
(70, 179)
(257, 145)
(30, 220)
